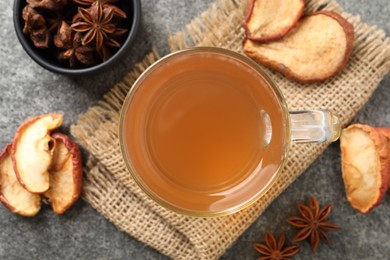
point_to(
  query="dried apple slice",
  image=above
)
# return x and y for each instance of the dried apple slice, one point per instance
(316, 49)
(66, 174)
(365, 159)
(386, 132)
(271, 20)
(32, 151)
(12, 194)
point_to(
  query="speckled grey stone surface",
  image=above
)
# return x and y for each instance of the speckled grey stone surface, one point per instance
(27, 90)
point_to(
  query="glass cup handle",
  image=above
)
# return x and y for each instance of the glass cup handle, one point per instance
(314, 126)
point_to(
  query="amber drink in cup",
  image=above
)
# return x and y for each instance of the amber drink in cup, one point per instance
(205, 131)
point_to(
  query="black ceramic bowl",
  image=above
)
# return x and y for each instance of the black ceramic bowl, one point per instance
(47, 58)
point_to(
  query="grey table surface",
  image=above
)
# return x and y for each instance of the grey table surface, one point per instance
(82, 233)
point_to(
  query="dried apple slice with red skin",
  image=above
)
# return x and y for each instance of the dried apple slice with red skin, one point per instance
(12, 194)
(272, 20)
(365, 159)
(316, 49)
(32, 151)
(66, 175)
(386, 132)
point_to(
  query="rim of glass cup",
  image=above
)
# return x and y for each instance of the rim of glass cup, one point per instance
(126, 156)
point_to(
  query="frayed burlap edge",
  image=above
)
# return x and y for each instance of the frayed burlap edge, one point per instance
(110, 189)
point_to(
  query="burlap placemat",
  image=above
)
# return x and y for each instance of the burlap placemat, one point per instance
(110, 189)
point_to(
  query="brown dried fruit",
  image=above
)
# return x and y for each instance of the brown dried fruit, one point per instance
(54, 20)
(69, 41)
(316, 49)
(271, 20)
(78, 54)
(64, 37)
(47, 4)
(35, 26)
(12, 194)
(32, 151)
(66, 174)
(365, 159)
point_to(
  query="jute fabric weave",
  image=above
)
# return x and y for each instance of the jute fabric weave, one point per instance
(110, 189)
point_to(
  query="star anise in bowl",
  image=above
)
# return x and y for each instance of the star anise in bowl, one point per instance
(313, 223)
(273, 249)
(97, 25)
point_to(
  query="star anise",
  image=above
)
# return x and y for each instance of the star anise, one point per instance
(107, 4)
(96, 23)
(313, 223)
(275, 250)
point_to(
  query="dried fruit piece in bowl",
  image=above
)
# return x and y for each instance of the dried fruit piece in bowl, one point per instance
(66, 174)
(365, 159)
(47, 4)
(35, 26)
(71, 48)
(12, 194)
(32, 151)
(271, 20)
(315, 50)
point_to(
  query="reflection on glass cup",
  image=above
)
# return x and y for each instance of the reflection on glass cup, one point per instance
(205, 131)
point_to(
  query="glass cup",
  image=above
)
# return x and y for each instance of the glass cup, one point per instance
(205, 132)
